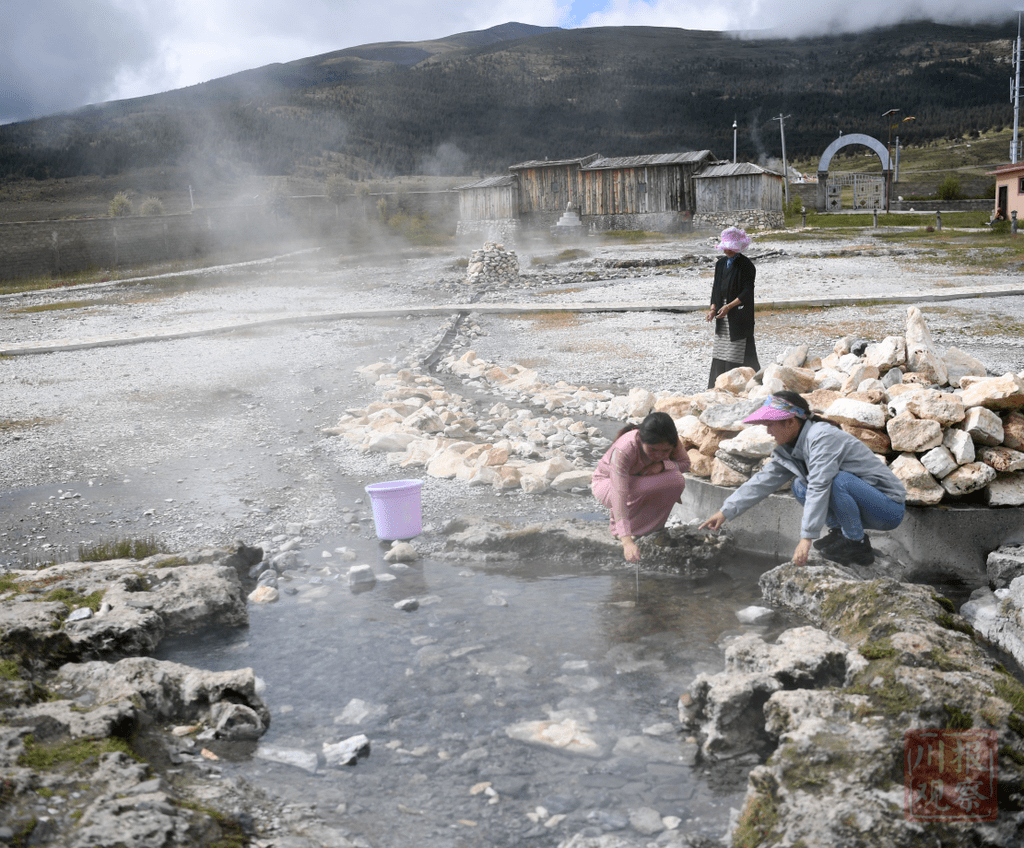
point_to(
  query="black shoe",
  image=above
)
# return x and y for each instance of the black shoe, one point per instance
(835, 535)
(849, 552)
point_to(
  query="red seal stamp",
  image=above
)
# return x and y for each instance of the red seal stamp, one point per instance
(949, 775)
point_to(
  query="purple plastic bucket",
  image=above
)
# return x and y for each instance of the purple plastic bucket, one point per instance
(397, 511)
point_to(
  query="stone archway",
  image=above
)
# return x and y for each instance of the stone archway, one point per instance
(874, 144)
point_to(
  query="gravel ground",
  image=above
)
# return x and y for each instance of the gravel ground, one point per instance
(205, 440)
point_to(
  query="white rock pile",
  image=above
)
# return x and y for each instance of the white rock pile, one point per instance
(422, 425)
(945, 428)
(492, 264)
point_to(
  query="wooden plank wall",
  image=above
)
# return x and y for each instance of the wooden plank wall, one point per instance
(547, 189)
(630, 191)
(488, 204)
(751, 191)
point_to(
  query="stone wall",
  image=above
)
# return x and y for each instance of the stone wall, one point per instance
(747, 219)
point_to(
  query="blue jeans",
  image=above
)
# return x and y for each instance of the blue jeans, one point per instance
(854, 506)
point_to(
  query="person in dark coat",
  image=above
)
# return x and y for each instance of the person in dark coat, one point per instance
(732, 307)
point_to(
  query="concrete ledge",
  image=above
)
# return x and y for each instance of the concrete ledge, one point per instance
(932, 542)
(27, 348)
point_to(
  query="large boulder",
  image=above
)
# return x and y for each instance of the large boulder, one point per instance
(909, 433)
(171, 692)
(138, 603)
(968, 478)
(922, 488)
(983, 426)
(856, 413)
(912, 663)
(922, 357)
(960, 365)
(1006, 392)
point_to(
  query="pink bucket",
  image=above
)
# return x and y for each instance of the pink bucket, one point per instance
(397, 511)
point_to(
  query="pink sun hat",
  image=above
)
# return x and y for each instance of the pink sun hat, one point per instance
(774, 409)
(733, 238)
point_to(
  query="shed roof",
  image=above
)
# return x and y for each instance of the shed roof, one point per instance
(490, 182)
(610, 162)
(734, 169)
(582, 161)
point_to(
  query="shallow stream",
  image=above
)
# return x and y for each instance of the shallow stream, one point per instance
(596, 647)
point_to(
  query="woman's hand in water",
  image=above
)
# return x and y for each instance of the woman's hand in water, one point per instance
(630, 551)
(714, 523)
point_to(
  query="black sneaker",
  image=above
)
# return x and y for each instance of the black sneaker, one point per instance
(835, 535)
(849, 552)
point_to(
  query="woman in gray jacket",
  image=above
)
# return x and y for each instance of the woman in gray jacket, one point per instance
(839, 481)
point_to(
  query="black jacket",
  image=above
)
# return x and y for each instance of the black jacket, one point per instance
(731, 283)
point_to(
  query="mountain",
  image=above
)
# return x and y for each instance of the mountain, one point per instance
(480, 101)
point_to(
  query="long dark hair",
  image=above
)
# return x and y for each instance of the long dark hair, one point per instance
(655, 429)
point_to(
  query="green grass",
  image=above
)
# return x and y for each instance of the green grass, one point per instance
(853, 222)
(73, 599)
(757, 822)
(232, 834)
(1008, 689)
(877, 650)
(422, 230)
(44, 757)
(956, 623)
(957, 719)
(121, 549)
(563, 256)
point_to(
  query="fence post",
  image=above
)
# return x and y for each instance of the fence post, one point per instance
(938, 221)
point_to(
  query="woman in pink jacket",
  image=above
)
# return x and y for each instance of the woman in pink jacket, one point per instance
(640, 479)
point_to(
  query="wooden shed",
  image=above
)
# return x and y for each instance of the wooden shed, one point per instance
(741, 185)
(494, 198)
(550, 186)
(739, 193)
(639, 185)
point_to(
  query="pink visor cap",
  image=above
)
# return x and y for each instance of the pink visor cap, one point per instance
(774, 409)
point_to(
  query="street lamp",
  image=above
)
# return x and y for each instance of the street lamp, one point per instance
(734, 141)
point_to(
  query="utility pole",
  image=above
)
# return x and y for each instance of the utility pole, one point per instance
(1015, 95)
(785, 168)
(733, 141)
(890, 116)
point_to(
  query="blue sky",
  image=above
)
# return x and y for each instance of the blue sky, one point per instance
(57, 55)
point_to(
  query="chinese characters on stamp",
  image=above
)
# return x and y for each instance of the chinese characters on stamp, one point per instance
(949, 775)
